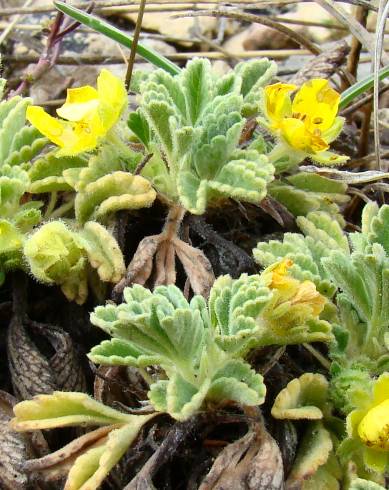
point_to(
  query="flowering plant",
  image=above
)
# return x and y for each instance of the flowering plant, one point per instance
(306, 126)
(368, 425)
(87, 115)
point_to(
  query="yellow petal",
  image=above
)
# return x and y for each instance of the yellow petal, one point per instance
(79, 103)
(277, 101)
(381, 389)
(112, 96)
(308, 294)
(84, 137)
(47, 125)
(317, 103)
(297, 136)
(353, 420)
(374, 427)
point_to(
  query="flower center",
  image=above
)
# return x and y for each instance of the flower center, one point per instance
(374, 427)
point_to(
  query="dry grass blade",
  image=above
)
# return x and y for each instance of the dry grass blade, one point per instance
(257, 19)
(138, 27)
(355, 27)
(361, 14)
(378, 54)
(324, 65)
(111, 6)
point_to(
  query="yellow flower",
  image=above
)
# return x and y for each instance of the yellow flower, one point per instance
(308, 124)
(293, 301)
(87, 115)
(368, 425)
(374, 427)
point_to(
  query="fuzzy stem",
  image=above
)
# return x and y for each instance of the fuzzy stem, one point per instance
(173, 222)
(289, 157)
(62, 210)
(51, 204)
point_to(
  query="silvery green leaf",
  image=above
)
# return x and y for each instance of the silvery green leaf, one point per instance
(323, 234)
(197, 86)
(46, 174)
(140, 127)
(305, 192)
(254, 74)
(360, 484)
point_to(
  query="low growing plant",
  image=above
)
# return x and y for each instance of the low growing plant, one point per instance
(192, 354)
(358, 388)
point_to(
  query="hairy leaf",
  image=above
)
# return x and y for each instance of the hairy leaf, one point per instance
(303, 398)
(322, 235)
(64, 409)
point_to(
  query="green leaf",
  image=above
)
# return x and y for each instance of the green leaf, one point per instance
(244, 176)
(64, 409)
(254, 74)
(379, 227)
(196, 82)
(27, 143)
(140, 127)
(305, 192)
(360, 87)
(236, 381)
(111, 193)
(103, 252)
(303, 398)
(91, 468)
(360, 484)
(313, 453)
(46, 174)
(159, 328)
(12, 120)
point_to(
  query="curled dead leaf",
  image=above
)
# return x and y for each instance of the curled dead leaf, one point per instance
(253, 462)
(31, 372)
(14, 448)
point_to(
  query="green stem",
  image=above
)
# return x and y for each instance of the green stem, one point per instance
(283, 153)
(51, 204)
(62, 210)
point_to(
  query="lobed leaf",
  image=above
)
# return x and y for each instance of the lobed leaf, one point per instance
(103, 252)
(303, 398)
(64, 409)
(47, 173)
(113, 192)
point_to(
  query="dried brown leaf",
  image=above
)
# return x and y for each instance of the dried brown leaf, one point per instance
(165, 264)
(197, 267)
(13, 448)
(65, 363)
(277, 211)
(253, 462)
(31, 372)
(56, 466)
(141, 265)
(324, 65)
